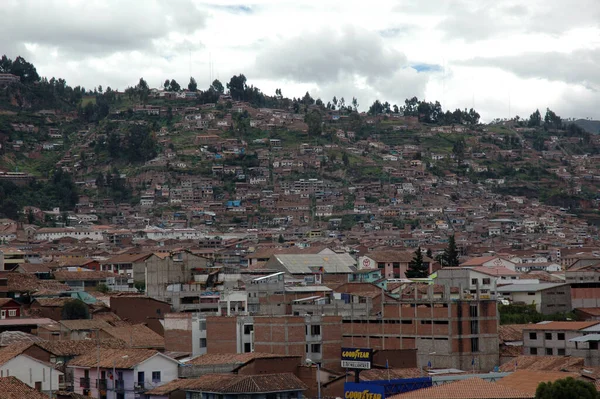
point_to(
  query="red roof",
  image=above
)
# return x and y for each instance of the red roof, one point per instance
(472, 388)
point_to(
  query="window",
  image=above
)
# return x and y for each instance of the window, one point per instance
(474, 344)
(247, 347)
(474, 281)
(248, 328)
(594, 345)
(315, 348)
(549, 351)
(486, 281)
(203, 342)
(532, 335)
(315, 330)
(531, 293)
(560, 336)
(202, 325)
(533, 351)
(381, 265)
(12, 312)
(548, 336)
(156, 376)
(560, 352)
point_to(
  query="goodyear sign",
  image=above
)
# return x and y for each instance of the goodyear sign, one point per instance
(357, 358)
(361, 390)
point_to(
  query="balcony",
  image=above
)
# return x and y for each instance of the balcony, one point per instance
(139, 386)
(101, 384)
(119, 385)
(84, 382)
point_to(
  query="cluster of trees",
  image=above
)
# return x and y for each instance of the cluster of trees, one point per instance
(58, 191)
(525, 314)
(567, 388)
(138, 144)
(20, 67)
(417, 267)
(429, 112)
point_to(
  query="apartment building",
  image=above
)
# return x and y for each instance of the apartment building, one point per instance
(564, 338)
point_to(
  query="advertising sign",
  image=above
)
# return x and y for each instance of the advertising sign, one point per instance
(357, 358)
(363, 390)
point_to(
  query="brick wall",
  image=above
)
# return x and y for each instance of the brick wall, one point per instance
(221, 334)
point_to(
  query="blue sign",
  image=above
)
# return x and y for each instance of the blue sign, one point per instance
(362, 390)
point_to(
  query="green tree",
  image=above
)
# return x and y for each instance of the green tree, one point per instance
(429, 253)
(567, 388)
(451, 256)
(416, 267)
(192, 86)
(140, 145)
(458, 150)
(217, 86)
(314, 121)
(281, 240)
(345, 159)
(237, 87)
(167, 85)
(535, 119)
(174, 85)
(75, 310)
(355, 104)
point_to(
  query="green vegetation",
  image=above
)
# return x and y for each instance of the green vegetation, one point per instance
(75, 310)
(416, 267)
(525, 314)
(567, 388)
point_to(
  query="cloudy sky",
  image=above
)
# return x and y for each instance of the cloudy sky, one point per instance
(504, 57)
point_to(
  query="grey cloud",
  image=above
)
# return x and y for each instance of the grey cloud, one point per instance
(578, 67)
(97, 27)
(324, 56)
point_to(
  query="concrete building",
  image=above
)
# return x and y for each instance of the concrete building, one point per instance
(548, 298)
(564, 338)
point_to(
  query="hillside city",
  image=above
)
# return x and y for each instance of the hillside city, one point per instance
(203, 243)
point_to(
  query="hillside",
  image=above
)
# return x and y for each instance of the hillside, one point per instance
(243, 156)
(590, 126)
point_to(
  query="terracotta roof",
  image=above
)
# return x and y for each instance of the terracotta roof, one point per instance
(562, 325)
(9, 352)
(391, 256)
(127, 258)
(542, 363)
(528, 380)
(34, 267)
(13, 388)
(11, 337)
(383, 374)
(229, 358)
(62, 275)
(118, 358)
(52, 302)
(590, 311)
(511, 332)
(84, 324)
(137, 336)
(472, 388)
(21, 282)
(232, 383)
(66, 348)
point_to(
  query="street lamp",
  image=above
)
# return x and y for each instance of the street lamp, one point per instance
(311, 363)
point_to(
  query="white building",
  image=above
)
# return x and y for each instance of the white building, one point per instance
(33, 372)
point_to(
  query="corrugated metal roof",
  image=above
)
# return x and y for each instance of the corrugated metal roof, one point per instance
(307, 264)
(586, 338)
(528, 287)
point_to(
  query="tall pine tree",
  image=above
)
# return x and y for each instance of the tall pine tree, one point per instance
(416, 267)
(451, 257)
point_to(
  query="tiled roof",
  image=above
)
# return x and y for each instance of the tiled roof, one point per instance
(239, 384)
(137, 336)
(82, 275)
(21, 282)
(11, 337)
(13, 388)
(53, 302)
(495, 271)
(384, 374)
(479, 260)
(34, 267)
(542, 363)
(391, 256)
(562, 325)
(590, 311)
(528, 380)
(79, 347)
(127, 258)
(9, 352)
(511, 332)
(117, 358)
(472, 388)
(84, 324)
(229, 358)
